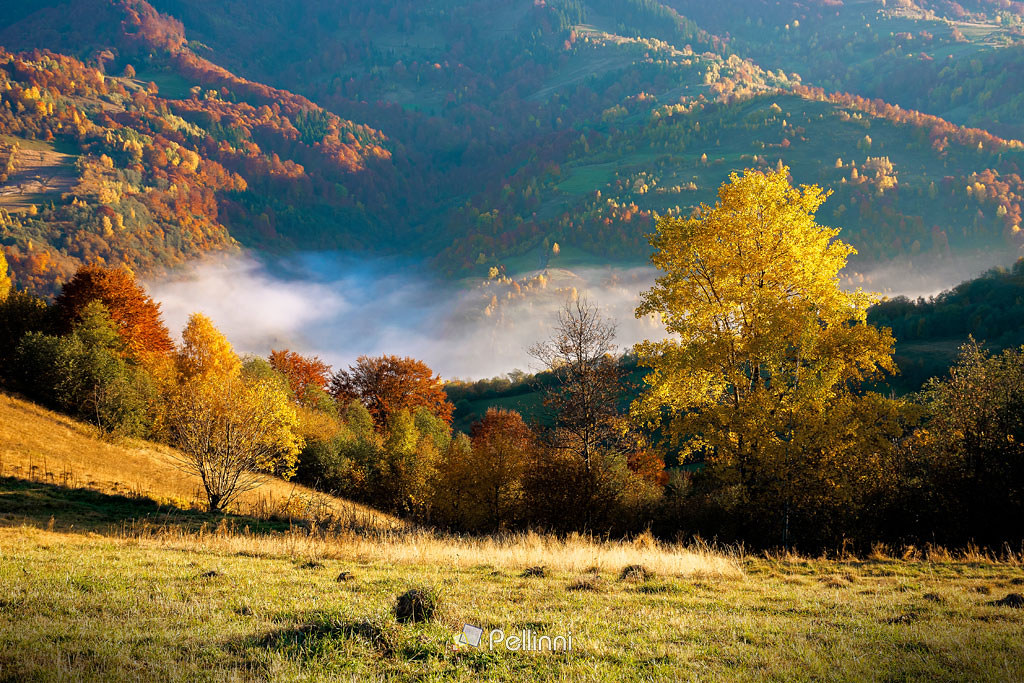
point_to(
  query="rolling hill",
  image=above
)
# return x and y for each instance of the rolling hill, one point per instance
(958, 60)
(475, 133)
(52, 450)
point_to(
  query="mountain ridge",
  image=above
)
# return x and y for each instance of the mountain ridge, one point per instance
(533, 127)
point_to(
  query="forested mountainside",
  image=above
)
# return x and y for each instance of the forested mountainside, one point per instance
(960, 60)
(476, 134)
(102, 165)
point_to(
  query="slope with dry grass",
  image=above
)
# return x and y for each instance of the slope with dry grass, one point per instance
(49, 459)
(40, 173)
(44, 446)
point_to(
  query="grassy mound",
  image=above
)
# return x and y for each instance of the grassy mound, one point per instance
(48, 448)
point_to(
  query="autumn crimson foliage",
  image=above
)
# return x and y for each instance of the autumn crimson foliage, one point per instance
(388, 384)
(302, 372)
(134, 313)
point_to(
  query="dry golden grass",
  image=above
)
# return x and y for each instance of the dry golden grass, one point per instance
(575, 553)
(42, 445)
(40, 174)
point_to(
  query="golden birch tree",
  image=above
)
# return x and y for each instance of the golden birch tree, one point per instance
(762, 341)
(231, 429)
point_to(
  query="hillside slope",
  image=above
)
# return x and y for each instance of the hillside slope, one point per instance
(958, 60)
(473, 133)
(43, 446)
(168, 159)
(579, 122)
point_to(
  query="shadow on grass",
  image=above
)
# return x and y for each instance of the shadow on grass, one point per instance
(320, 635)
(45, 505)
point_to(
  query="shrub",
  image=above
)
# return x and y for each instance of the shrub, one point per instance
(20, 313)
(635, 572)
(324, 465)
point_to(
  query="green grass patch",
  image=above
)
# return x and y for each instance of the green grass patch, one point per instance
(102, 609)
(169, 84)
(61, 146)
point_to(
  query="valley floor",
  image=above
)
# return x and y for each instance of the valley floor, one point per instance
(169, 603)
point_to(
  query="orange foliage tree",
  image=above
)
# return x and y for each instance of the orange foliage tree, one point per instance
(388, 384)
(302, 373)
(501, 444)
(135, 314)
(648, 465)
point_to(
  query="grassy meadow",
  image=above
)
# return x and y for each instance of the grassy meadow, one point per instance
(111, 583)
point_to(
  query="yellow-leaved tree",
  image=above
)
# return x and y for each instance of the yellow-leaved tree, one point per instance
(5, 277)
(232, 427)
(757, 376)
(205, 351)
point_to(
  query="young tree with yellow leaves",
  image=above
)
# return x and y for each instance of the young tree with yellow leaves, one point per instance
(205, 351)
(764, 347)
(230, 428)
(5, 278)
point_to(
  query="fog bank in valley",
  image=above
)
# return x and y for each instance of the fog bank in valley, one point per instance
(340, 307)
(925, 277)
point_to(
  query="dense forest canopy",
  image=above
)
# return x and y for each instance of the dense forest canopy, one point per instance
(479, 133)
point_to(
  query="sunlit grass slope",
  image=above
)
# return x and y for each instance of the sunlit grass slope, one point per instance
(43, 446)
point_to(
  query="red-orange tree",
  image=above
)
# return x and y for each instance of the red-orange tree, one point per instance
(502, 442)
(301, 372)
(388, 384)
(134, 313)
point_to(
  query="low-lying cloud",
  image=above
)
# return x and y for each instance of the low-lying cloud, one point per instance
(339, 307)
(927, 277)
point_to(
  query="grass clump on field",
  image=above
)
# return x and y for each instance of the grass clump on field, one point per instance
(587, 583)
(635, 572)
(417, 605)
